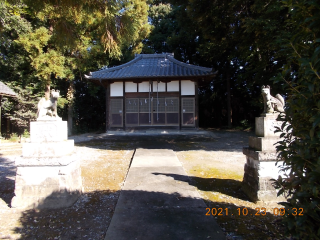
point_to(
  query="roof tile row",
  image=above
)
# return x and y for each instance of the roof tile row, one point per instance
(151, 65)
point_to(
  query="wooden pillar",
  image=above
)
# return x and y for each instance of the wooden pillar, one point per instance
(180, 107)
(151, 103)
(196, 102)
(8, 128)
(229, 108)
(107, 106)
(123, 106)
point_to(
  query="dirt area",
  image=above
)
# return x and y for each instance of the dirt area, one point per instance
(213, 161)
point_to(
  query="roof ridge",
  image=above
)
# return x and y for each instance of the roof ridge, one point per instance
(157, 55)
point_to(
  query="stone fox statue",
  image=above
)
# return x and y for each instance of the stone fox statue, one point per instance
(271, 104)
(48, 107)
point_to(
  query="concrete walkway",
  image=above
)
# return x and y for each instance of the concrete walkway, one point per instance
(152, 205)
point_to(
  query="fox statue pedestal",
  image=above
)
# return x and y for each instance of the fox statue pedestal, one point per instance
(48, 173)
(261, 157)
(261, 154)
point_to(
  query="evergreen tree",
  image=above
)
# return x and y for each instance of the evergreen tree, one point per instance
(172, 31)
(67, 38)
(300, 147)
(15, 69)
(73, 30)
(240, 39)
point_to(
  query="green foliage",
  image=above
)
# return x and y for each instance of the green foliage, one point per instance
(45, 62)
(265, 29)
(241, 40)
(62, 102)
(15, 69)
(163, 19)
(46, 42)
(10, 19)
(14, 138)
(172, 31)
(26, 134)
(111, 24)
(23, 109)
(300, 147)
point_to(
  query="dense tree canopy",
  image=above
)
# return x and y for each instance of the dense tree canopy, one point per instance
(45, 43)
(241, 39)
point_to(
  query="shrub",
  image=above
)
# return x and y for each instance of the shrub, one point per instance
(300, 147)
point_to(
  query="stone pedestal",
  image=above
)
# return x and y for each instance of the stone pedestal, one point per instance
(48, 173)
(261, 156)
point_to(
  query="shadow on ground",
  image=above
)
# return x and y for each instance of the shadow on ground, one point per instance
(232, 141)
(212, 141)
(90, 217)
(228, 187)
(7, 182)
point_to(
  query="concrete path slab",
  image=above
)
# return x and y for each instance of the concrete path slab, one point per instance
(153, 205)
(155, 158)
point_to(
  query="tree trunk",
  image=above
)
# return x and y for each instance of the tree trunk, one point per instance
(229, 109)
(47, 92)
(0, 114)
(8, 128)
(70, 107)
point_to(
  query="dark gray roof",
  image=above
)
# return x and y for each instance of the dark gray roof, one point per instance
(6, 91)
(152, 66)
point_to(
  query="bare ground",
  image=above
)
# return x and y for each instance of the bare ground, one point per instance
(214, 162)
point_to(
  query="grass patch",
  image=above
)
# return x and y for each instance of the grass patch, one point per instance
(236, 214)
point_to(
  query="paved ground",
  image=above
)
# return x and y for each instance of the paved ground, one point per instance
(213, 161)
(153, 204)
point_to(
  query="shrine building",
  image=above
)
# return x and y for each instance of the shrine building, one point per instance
(152, 90)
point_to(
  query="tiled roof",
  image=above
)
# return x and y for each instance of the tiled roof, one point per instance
(152, 66)
(6, 91)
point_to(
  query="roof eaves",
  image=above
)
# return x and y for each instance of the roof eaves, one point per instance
(6, 91)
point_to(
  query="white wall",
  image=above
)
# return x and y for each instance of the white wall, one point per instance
(173, 86)
(161, 86)
(144, 87)
(187, 87)
(116, 89)
(130, 87)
